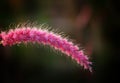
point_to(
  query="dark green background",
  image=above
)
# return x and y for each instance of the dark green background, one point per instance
(34, 63)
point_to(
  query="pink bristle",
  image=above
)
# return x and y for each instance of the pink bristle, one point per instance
(19, 35)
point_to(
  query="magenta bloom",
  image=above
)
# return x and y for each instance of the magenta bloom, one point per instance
(45, 37)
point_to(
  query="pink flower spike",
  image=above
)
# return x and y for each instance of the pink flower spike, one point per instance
(19, 35)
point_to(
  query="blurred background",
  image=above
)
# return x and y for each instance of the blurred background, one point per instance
(93, 24)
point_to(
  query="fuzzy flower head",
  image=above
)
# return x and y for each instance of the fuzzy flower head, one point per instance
(43, 36)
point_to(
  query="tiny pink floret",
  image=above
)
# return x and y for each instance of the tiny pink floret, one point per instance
(20, 35)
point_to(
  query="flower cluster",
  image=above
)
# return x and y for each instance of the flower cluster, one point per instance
(24, 35)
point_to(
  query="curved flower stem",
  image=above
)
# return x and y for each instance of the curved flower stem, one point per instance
(19, 35)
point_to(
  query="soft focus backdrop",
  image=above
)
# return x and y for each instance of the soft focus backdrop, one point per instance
(93, 24)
